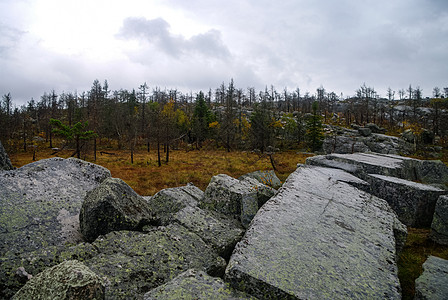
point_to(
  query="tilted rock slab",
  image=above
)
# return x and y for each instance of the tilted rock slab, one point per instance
(197, 285)
(70, 280)
(362, 164)
(439, 225)
(39, 208)
(111, 206)
(413, 202)
(5, 163)
(319, 238)
(433, 283)
(133, 263)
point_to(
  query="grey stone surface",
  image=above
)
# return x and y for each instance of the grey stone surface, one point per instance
(268, 178)
(70, 280)
(330, 242)
(220, 232)
(433, 283)
(362, 164)
(264, 192)
(132, 263)
(364, 131)
(439, 226)
(168, 202)
(113, 205)
(5, 163)
(194, 284)
(413, 202)
(39, 208)
(231, 196)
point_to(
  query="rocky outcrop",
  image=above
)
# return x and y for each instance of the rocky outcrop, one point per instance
(5, 163)
(233, 197)
(433, 283)
(330, 242)
(194, 284)
(70, 280)
(363, 164)
(113, 205)
(363, 139)
(133, 263)
(439, 226)
(40, 204)
(268, 178)
(413, 202)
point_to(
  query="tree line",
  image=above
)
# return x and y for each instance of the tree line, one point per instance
(228, 117)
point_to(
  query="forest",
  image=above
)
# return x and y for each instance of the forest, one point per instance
(227, 117)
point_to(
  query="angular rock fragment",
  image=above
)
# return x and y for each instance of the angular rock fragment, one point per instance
(113, 205)
(330, 242)
(264, 192)
(433, 283)
(169, 201)
(218, 231)
(230, 196)
(70, 280)
(413, 202)
(135, 262)
(439, 226)
(268, 178)
(194, 284)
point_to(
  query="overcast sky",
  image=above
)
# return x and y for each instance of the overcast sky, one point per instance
(198, 44)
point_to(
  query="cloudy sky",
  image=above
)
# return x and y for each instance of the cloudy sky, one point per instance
(198, 44)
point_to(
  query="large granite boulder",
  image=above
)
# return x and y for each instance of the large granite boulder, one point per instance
(5, 163)
(133, 263)
(232, 197)
(39, 209)
(363, 164)
(439, 226)
(319, 237)
(198, 285)
(113, 205)
(70, 280)
(433, 283)
(167, 202)
(268, 178)
(413, 202)
(217, 230)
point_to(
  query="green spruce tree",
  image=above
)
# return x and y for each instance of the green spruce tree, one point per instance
(314, 129)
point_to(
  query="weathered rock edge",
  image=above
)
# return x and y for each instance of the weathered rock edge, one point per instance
(330, 242)
(433, 283)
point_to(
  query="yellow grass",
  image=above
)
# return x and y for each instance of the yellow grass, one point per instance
(198, 166)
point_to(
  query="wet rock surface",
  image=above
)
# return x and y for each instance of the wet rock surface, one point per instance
(70, 280)
(194, 284)
(111, 206)
(433, 283)
(333, 242)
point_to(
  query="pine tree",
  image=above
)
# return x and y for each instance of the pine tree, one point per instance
(314, 129)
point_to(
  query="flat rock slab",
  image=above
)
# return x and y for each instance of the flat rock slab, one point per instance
(319, 237)
(135, 262)
(362, 164)
(413, 202)
(433, 283)
(439, 225)
(198, 285)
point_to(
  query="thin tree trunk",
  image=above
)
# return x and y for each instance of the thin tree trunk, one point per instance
(167, 152)
(94, 149)
(158, 153)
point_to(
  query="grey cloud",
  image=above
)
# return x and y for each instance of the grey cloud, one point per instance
(157, 32)
(9, 38)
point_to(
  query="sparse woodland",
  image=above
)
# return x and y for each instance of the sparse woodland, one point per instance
(228, 117)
